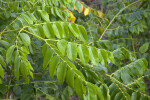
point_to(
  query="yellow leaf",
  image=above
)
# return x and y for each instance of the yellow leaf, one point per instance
(100, 14)
(86, 11)
(82, 2)
(72, 17)
(106, 19)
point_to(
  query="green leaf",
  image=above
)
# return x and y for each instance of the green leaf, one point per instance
(134, 96)
(59, 13)
(86, 97)
(2, 61)
(78, 6)
(47, 56)
(144, 47)
(94, 55)
(49, 2)
(129, 55)
(79, 73)
(112, 87)
(31, 49)
(1, 72)
(100, 68)
(0, 81)
(111, 57)
(17, 24)
(123, 90)
(25, 50)
(68, 1)
(25, 39)
(24, 71)
(83, 53)
(44, 15)
(17, 90)
(72, 51)
(104, 44)
(125, 76)
(16, 67)
(23, 21)
(67, 13)
(44, 49)
(53, 65)
(4, 43)
(113, 94)
(53, 11)
(99, 93)
(70, 64)
(9, 53)
(58, 29)
(61, 72)
(105, 91)
(31, 15)
(103, 56)
(40, 31)
(66, 30)
(144, 98)
(48, 30)
(83, 34)
(134, 69)
(3, 88)
(27, 18)
(29, 68)
(92, 91)
(2, 51)
(23, 56)
(74, 29)
(118, 96)
(70, 78)
(55, 2)
(62, 45)
(79, 88)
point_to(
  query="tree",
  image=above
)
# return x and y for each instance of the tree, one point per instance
(55, 49)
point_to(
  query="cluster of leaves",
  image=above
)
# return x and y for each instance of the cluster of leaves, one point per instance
(53, 49)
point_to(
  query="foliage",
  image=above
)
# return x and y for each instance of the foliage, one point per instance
(57, 49)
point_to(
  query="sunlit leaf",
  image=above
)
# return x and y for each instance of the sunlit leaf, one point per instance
(25, 38)
(86, 11)
(62, 46)
(61, 72)
(53, 65)
(72, 51)
(44, 15)
(83, 53)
